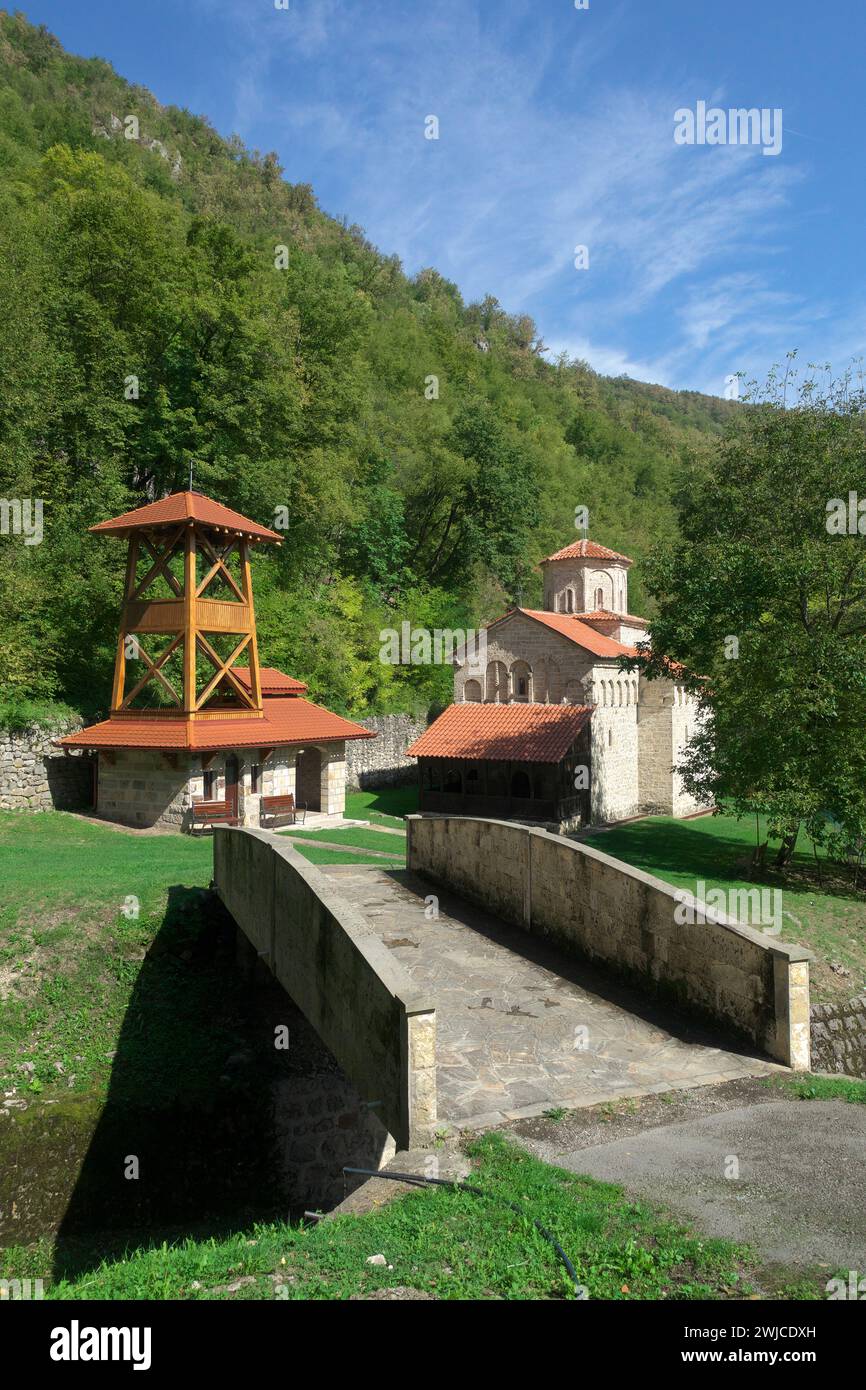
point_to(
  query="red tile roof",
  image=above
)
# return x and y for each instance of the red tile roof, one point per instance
(274, 682)
(185, 506)
(605, 615)
(586, 550)
(518, 733)
(567, 625)
(286, 721)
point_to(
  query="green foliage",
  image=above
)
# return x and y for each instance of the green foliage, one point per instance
(770, 608)
(145, 330)
(28, 714)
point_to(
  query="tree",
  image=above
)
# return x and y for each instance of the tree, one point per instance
(765, 606)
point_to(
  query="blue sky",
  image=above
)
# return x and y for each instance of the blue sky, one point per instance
(556, 129)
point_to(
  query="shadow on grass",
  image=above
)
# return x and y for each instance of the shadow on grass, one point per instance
(184, 1141)
(701, 850)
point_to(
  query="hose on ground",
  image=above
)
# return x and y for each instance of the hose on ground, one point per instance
(418, 1180)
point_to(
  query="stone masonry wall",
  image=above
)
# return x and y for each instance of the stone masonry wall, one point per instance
(347, 984)
(382, 761)
(839, 1037)
(35, 775)
(617, 916)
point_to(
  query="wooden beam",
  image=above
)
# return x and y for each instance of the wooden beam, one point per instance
(189, 610)
(255, 671)
(120, 654)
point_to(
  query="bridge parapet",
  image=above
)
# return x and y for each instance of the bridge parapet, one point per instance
(603, 909)
(362, 1004)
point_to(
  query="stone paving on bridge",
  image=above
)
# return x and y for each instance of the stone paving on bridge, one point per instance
(510, 1009)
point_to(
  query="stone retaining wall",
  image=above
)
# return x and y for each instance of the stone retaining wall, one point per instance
(35, 775)
(382, 761)
(626, 920)
(839, 1037)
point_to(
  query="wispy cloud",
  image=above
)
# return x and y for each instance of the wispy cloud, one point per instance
(536, 153)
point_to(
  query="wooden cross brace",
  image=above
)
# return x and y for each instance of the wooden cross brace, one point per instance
(223, 669)
(154, 668)
(219, 558)
(160, 561)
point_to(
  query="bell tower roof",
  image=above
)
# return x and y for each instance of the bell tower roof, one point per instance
(183, 507)
(586, 550)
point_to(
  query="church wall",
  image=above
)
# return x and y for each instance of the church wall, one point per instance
(684, 722)
(667, 719)
(584, 579)
(524, 639)
(615, 790)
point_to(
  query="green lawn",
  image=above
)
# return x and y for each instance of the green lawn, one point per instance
(828, 918)
(70, 955)
(356, 836)
(388, 806)
(450, 1243)
(101, 928)
(320, 855)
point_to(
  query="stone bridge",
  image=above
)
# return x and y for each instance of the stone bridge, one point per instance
(579, 988)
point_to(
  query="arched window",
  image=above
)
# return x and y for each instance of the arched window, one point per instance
(452, 782)
(569, 601)
(599, 597)
(610, 738)
(521, 682)
(472, 691)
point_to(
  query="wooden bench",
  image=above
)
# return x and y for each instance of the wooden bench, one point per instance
(275, 807)
(206, 813)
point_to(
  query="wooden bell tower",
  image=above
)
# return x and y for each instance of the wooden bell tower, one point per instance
(207, 537)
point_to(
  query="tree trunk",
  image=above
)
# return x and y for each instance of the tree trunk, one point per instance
(786, 848)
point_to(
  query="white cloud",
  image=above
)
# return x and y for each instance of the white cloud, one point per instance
(536, 154)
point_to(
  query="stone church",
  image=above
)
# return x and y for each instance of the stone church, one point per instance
(549, 728)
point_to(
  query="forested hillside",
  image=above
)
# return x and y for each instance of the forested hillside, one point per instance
(297, 380)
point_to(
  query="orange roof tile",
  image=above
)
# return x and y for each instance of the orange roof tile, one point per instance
(519, 733)
(567, 625)
(274, 682)
(605, 615)
(185, 506)
(293, 720)
(586, 550)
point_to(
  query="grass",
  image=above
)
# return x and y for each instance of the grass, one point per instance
(449, 1243)
(387, 806)
(99, 929)
(104, 933)
(828, 918)
(319, 855)
(356, 836)
(823, 1088)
